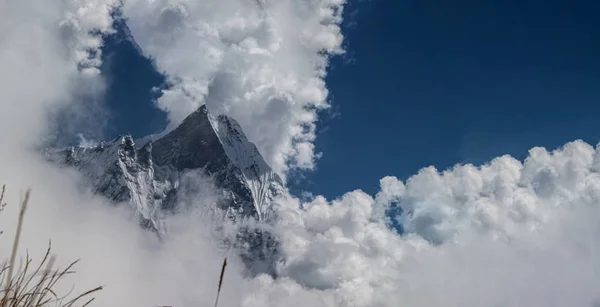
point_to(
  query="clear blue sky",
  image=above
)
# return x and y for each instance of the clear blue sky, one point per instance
(428, 83)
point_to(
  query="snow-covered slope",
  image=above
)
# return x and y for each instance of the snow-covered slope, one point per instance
(264, 184)
(148, 176)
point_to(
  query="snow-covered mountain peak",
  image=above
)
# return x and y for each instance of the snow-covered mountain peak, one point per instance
(147, 175)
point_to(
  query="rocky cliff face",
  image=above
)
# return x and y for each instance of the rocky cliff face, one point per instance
(148, 175)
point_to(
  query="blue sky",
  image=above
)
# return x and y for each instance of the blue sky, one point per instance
(426, 83)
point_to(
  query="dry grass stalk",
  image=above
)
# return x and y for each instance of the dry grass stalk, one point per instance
(35, 288)
(8, 281)
(221, 281)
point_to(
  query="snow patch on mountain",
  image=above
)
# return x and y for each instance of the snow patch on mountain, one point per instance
(263, 182)
(120, 172)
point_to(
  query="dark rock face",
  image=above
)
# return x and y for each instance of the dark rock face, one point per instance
(148, 176)
(195, 145)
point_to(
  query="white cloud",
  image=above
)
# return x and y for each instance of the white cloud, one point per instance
(262, 62)
(503, 234)
(80, 18)
(42, 44)
(39, 73)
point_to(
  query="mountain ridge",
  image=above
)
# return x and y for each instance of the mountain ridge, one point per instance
(148, 175)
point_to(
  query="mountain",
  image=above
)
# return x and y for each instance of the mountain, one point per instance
(148, 174)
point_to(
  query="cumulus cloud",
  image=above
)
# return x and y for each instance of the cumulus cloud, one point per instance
(503, 234)
(81, 28)
(261, 62)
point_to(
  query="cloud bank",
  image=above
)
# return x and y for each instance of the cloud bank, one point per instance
(503, 234)
(508, 233)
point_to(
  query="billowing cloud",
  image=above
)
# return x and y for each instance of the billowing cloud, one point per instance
(47, 51)
(503, 234)
(507, 233)
(81, 28)
(261, 62)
